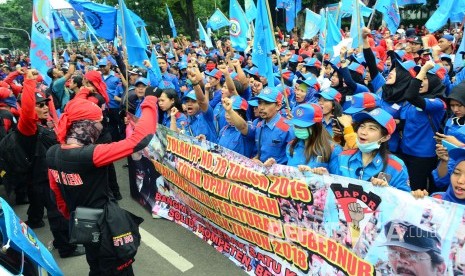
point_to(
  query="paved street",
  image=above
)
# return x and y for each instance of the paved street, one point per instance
(166, 249)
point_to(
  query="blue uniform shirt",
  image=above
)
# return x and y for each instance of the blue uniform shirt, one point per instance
(418, 134)
(455, 130)
(271, 139)
(202, 123)
(329, 126)
(114, 88)
(234, 140)
(298, 157)
(181, 120)
(394, 110)
(174, 80)
(220, 118)
(351, 165)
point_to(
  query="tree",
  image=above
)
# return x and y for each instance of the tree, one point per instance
(17, 14)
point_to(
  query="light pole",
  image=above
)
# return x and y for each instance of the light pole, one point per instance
(17, 29)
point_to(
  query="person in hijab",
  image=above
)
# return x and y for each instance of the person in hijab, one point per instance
(422, 115)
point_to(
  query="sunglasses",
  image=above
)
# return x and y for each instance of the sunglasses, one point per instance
(41, 105)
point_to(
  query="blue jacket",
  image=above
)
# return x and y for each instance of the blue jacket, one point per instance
(233, 139)
(455, 130)
(351, 165)
(114, 88)
(298, 157)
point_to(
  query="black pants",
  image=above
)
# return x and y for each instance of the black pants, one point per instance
(99, 267)
(116, 125)
(40, 197)
(419, 171)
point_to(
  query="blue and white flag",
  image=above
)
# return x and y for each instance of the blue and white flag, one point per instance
(238, 26)
(334, 11)
(390, 12)
(217, 20)
(171, 21)
(65, 29)
(101, 18)
(347, 6)
(312, 24)
(204, 36)
(134, 45)
(263, 43)
(356, 26)
(333, 35)
(250, 10)
(291, 15)
(41, 42)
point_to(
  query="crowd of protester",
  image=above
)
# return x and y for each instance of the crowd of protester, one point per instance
(391, 112)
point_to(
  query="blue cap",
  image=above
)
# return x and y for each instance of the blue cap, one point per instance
(87, 60)
(252, 71)
(445, 56)
(215, 73)
(239, 103)
(359, 58)
(190, 95)
(182, 65)
(144, 81)
(169, 56)
(309, 80)
(102, 62)
(270, 94)
(362, 101)
(305, 115)
(295, 58)
(457, 154)
(382, 117)
(330, 94)
(448, 37)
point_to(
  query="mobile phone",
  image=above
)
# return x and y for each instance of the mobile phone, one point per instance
(336, 124)
(448, 146)
(384, 176)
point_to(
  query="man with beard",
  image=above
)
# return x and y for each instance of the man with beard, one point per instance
(413, 250)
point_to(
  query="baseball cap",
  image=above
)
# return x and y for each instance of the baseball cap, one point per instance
(190, 95)
(410, 66)
(144, 81)
(253, 72)
(448, 37)
(217, 74)
(295, 58)
(269, 94)
(285, 44)
(135, 71)
(102, 62)
(362, 101)
(412, 237)
(356, 67)
(313, 62)
(330, 94)
(382, 117)
(310, 81)
(400, 54)
(305, 115)
(182, 65)
(40, 98)
(415, 39)
(239, 103)
(445, 57)
(457, 154)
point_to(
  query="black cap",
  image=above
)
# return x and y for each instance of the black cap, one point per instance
(152, 91)
(412, 237)
(415, 39)
(40, 98)
(135, 71)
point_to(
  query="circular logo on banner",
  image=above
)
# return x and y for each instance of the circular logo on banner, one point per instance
(235, 27)
(299, 112)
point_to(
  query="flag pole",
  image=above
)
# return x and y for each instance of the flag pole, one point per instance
(372, 13)
(325, 30)
(357, 6)
(288, 108)
(91, 33)
(126, 89)
(55, 56)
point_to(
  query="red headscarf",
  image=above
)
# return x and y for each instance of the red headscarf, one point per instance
(77, 110)
(96, 79)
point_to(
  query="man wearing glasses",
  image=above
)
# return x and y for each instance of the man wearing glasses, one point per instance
(413, 250)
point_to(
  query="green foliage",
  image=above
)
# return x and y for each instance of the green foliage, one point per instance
(16, 14)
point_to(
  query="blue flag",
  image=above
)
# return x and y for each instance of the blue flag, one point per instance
(101, 18)
(312, 24)
(263, 43)
(22, 239)
(290, 15)
(204, 36)
(155, 65)
(347, 6)
(458, 62)
(250, 10)
(65, 32)
(333, 10)
(134, 45)
(144, 36)
(138, 22)
(402, 3)
(281, 4)
(442, 14)
(41, 42)
(217, 20)
(171, 21)
(390, 13)
(238, 26)
(322, 36)
(333, 35)
(356, 26)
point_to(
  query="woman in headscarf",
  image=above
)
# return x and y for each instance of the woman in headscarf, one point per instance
(422, 115)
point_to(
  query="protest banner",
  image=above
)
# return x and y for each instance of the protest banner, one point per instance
(279, 221)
